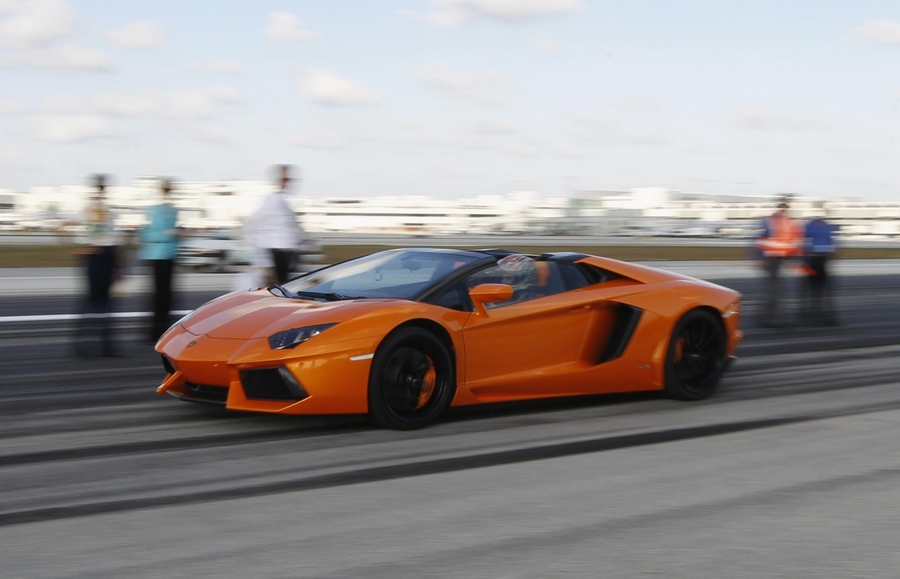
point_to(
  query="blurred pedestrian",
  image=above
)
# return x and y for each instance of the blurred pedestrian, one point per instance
(779, 242)
(97, 243)
(159, 241)
(819, 248)
(275, 232)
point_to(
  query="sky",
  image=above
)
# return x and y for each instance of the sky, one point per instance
(457, 98)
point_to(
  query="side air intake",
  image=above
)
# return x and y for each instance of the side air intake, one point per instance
(627, 318)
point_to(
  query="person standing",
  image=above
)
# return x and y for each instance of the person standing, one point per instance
(159, 246)
(778, 242)
(97, 243)
(820, 247)
(276, 234)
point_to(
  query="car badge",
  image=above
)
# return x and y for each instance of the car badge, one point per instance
(191, 343)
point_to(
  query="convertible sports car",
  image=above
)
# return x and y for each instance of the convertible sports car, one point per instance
(404, 334)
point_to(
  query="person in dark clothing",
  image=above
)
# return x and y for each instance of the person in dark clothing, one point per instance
(819, 249)
(97, 243)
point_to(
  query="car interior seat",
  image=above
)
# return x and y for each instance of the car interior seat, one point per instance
(549, 279)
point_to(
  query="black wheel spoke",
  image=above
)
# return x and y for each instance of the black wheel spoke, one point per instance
(403, 378)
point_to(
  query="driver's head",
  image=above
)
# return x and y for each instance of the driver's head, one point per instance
(518, 270)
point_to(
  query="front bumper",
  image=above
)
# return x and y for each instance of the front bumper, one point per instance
(248, 375)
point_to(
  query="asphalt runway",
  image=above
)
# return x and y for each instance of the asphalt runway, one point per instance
(790, 470)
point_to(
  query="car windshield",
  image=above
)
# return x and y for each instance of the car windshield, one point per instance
(389, 274)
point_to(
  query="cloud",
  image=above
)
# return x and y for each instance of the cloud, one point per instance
(74, 120)
(328, 88)
(588, 129)
(647, 137)
(285, 27)
(448, 17)
(16, 159)
(527, 148)
(213, 135)
(226, 95)
(174, 105)
(495, 136)
(455, 13)
(762, 119)
(517, 9)
(190, 105)
(879, 32)
(34, 23)
(481, 88)
(140, 34)
(223, 67)
(73, 128)
(41, 34)
(320, 141)
(495, 127)
(639, 103)
(9, 107)
(546, 46)
(452, 17)
(61, 55)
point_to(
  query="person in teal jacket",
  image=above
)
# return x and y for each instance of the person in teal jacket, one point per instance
(159, 246)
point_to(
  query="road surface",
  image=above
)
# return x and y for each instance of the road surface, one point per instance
(791, 470)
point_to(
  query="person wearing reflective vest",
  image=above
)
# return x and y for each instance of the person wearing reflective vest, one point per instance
(779, 241)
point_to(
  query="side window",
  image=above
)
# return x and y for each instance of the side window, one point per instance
(529, 278)
(497, 274)
(490, 274)
(573, 277)
(548, 278)
(455, 297)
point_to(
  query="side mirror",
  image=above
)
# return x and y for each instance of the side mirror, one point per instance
(487, 293)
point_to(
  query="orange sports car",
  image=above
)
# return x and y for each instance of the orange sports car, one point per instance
(404, 334)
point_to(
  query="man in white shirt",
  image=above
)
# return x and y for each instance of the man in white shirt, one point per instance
(276, 234)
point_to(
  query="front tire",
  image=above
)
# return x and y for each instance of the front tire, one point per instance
(695, 359)
(412, 380)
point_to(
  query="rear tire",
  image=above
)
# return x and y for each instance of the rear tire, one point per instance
(412, 380)
(695, 359)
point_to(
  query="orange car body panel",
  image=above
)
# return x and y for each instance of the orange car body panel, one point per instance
(545, 347)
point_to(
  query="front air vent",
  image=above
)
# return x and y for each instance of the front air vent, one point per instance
(167, 364)
(205, 393)
(271, 384)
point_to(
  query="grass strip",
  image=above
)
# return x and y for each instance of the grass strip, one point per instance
(61, 256)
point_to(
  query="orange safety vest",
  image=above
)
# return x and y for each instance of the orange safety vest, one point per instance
(784, 238)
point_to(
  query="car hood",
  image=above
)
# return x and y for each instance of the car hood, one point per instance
(259, 314)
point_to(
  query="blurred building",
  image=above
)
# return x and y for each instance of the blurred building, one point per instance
(646, 211)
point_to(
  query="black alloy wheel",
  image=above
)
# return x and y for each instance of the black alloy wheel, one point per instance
(695, 359)
(412, 380)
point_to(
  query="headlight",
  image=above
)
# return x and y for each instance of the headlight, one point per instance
(291, 338)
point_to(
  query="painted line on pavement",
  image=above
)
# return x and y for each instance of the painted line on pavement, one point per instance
(71, 317)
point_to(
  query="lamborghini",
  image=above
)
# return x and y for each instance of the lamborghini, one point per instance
(404, 334)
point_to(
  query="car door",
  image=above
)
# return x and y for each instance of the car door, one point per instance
(516, 350)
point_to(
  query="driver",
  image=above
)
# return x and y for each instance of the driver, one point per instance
(518, 271)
